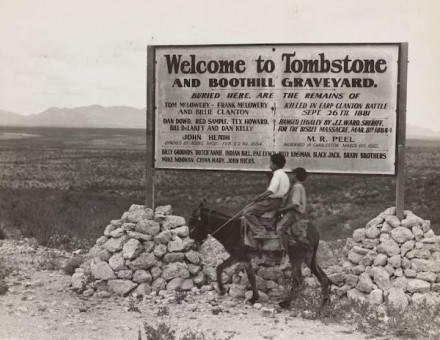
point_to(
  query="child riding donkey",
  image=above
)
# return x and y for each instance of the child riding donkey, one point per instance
(290, 227)
(270, 200)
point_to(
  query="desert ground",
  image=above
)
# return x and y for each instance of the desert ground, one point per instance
(59, 188)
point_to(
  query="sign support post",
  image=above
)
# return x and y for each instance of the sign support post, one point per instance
(400, 182)
(149, 172)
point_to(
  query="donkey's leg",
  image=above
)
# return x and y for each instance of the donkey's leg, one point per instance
(320, 275)
(226, 263)
(251, 276)
(296, 255)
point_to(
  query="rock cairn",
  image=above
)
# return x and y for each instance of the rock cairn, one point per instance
(391, 261)
(143, 252)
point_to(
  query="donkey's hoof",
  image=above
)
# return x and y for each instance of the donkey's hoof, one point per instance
(253, 299)
(325, 301)
(284, 303)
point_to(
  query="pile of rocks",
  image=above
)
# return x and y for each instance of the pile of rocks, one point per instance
(145, 251)
(391, 261)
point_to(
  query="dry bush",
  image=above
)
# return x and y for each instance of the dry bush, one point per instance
(72, 264)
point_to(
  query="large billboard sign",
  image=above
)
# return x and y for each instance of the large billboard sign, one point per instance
(330, 108)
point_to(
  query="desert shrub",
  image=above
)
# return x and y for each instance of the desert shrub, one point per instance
(4, 272)
(375, 320)
(164, 332)
(72, 264)
(66, 220)
(49, 262)
(161, 332)
(163, 311)
(191, 334)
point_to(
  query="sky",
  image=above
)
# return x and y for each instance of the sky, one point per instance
(67, 53)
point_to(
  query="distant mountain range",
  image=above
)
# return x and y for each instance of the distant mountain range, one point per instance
(97, 116)
(94, 116)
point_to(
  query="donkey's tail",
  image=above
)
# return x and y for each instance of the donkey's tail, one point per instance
(315, 250)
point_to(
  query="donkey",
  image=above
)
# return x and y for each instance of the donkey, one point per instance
(205, 221)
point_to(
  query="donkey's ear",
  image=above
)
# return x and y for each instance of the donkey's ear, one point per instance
(196, 212)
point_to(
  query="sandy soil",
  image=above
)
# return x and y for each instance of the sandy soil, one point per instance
(39, 305)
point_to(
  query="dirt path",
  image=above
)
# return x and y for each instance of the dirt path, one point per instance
(39, 305)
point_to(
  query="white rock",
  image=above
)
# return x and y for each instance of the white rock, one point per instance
(143, 261)
(426, 225)
(390, 248)
(354, 257)
(395, 261)
(410, 273)
(181, 231)
(418, 299)
(121, 287)
(100, 241)
(164, 210)
(380, 260)
(125, 274)
(343, 290)
(160, 250)
(400, 282)
(148, 227)
(78, 281)
(374, 222)
(128, 226)
(427, 276)
(172, 222)
(369, 243)
(418, 232)
(384, 237)
(117, 262)
(406, 247)
(143, 289)
(115, 244)
(351, 280)
(411, 221)
(386, 228)
(193, 257)
(175, 284)
(381, 278)
(163, 237)
(173, 270)
(356, 295)
(418, 286)
(237, 290)
(406, 263)
(118, 232)
(176, 245)
(393, 221)
(421, 265)
(142, 276)
(138, 215)
(397, 298)
(359, 234)
(376, 297)
(388, 211)
(372, 232)
(139, 236)
(108, 229)
(131, 249)
(358, 270)
(398, 272)
(360, 250)
(401, 234)
(101, 270)
(365, 284)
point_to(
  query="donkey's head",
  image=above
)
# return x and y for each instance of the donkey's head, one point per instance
(197, 226)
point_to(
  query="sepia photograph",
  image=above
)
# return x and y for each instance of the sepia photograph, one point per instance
(219, 170)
